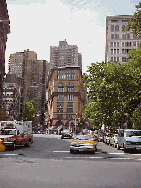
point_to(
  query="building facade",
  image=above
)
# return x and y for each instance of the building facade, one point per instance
(118, 42)
(64, 55)
(4, 30)
(11, 97)
(66, 96)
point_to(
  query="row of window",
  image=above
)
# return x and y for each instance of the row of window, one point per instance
(124, 59)
(60, 116)
(70, 87)
(125, 44)
(116, 51)
(128, 36)
(61, 104)
(69, 97)
(66, 74)
(116, 28)
(69, 110)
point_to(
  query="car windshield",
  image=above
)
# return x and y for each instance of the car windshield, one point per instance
(133, 133)
(84, 137)
(8, 132)
(66, 130)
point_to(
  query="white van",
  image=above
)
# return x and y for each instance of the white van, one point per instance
(129, 139)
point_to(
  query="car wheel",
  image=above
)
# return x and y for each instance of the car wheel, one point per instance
(13, 147)
(61, 137)
(29, 143)
(71, 151)
(118, 147)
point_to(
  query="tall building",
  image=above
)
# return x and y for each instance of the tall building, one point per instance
(16, 61)
(20, 63)
(4, 30)
(11, 96)
(118, 42)
(65, 55)
(66, 95)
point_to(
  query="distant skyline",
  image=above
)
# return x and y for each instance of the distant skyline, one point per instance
(38, 24)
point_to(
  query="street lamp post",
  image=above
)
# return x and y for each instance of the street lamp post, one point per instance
(75, 123)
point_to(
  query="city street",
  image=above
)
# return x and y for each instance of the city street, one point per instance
(48, 163)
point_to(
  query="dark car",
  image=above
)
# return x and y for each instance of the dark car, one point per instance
(66, 133)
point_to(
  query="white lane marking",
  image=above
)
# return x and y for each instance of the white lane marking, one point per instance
(9, 154)
(66, 152)
(136, 154)
(116, 153)
(120, 158)
(84, 157)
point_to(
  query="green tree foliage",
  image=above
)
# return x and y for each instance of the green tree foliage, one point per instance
(113, 90)
(135, 23)
(29, 110)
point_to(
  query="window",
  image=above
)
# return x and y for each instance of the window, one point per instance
(111, 44)
(116, 36)
(111, 59)
(122, 44)
(68, 74)
(123, 36)
(114, 44)
(73, 74)
(69, 116)
(117, 28)
(111, 51)
(59, 74)
(60, 104)
(114, 58)
(117, 59)
(64, 74)
(69, 97)
(124, 59)
(60, 97)
(114, 51)
(134, 43)
(60, 87)
(70, 87)
(60, 116)
(69, 104)
(117, 44)
(127, 44)
(112, 28)
(122, 51)
(117, 51)
(112, 36)
(70, 110)
(123, 27)
(128, 36)
(134, 36)
(60, 110)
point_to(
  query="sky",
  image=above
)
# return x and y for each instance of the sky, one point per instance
(38, 24)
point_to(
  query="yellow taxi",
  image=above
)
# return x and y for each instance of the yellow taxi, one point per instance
(83, 143)
(2, 147)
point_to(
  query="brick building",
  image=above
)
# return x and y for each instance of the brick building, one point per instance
(66, 96)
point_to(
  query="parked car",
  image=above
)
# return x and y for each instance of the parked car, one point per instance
(129, 139)
(113, 140)
(107, 137)
(2, 147)
(66, 133)
(83, 143)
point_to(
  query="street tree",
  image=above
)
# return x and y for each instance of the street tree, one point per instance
(29, 110)
(135, 22)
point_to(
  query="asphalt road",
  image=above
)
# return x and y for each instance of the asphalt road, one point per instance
(48, 163)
